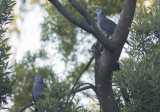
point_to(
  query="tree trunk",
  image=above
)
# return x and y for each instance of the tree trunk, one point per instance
(107, 62)
(105, 65)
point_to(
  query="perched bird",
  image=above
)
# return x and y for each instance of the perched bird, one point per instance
(105, 25)
(38, 89)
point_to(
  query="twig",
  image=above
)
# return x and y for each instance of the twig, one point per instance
(3, 108)
(83, 85)
(84, 88)
(27, 106)
(85, 68)
(81, 89)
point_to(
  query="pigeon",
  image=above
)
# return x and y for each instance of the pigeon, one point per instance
(105, 25)
(38, 89)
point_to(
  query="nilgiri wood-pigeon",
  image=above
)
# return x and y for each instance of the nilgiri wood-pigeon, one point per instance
(38, 89)
(105, 25)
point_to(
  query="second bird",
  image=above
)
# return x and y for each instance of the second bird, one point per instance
(105, 25)
(38, 89)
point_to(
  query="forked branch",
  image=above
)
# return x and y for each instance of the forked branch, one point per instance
(106, 43)
(84, 88)
(71, 18)
(82, 11)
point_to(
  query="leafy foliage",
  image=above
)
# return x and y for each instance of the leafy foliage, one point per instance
(58, 99)
(57, 92)
(140, 74)
(5, 82)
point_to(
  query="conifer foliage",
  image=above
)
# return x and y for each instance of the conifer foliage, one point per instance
(139, 77)
(5, 82)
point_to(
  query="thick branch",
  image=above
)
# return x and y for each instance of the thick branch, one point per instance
(27, 106)
(82, 11)
(125, 21)
(100, 37)
(106, 43)
(70, 17)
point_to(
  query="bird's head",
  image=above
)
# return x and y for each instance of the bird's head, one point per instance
(38, 79)
(99, 12)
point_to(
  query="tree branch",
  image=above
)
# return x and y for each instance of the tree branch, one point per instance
(106, 43)
(85, 68)
(125, 21)
(83, 85)
(27, 106)
(97, 50)
(3, 108)
(82, 11)
(81, 89)
(70, 17)
(84, 88)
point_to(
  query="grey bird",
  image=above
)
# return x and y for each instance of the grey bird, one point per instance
(105, 25)
(38, 89)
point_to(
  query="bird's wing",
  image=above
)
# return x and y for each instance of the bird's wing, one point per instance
(107, 25)
(43, 85)
(33, 96)
(41, 90)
